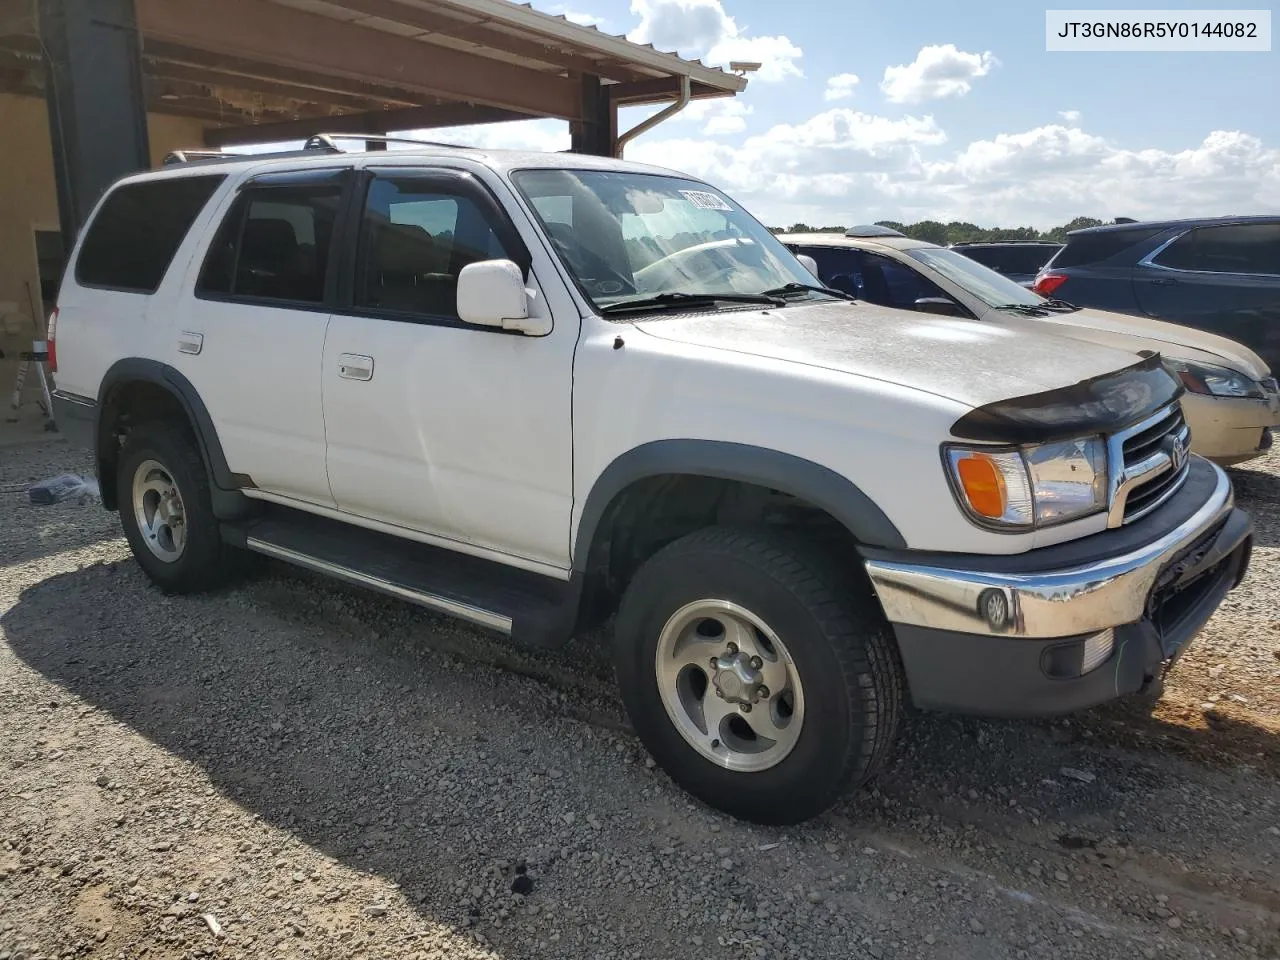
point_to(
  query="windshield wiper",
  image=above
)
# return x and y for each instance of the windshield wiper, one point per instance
(1030, 309)
(794, 287)
(666, 300)
(1056, 304)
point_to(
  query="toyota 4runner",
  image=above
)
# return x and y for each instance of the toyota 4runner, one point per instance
(540, 391)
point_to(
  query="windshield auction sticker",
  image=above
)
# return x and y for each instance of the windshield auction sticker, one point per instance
(705, 201)
(1167, 31)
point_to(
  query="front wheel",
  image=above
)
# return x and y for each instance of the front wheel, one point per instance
(757, 682)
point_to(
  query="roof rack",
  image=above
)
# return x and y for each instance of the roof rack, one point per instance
(873, 230)
(317, 143)
(325, 141)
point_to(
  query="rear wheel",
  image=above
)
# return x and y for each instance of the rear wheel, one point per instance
(756, 680)
(166, 511)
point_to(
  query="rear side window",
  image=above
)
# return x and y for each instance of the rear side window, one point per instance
(274, 245)
(139, 228)
(1095, 247)
(1236, 248)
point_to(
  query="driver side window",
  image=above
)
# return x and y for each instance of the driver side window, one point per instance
(414, 241)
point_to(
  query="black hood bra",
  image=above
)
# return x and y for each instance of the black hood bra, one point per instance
(1100, 404)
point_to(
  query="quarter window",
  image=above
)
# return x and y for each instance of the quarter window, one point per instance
(415, 239)
(133, 238)
(274, 245)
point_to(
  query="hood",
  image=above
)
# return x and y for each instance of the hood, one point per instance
(1133, 333)
(968, 361)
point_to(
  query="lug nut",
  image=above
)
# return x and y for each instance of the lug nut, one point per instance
(745, 707)
(733, 648)
(762, 692)
(756, 663)
(715, 663)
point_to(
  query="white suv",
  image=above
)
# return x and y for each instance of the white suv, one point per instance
(536, 390)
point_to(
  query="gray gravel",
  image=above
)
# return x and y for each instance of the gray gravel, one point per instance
(289, 768)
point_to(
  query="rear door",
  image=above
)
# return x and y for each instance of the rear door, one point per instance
(1223, 279)
(251, 339)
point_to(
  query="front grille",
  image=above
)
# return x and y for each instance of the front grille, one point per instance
(1153, 443)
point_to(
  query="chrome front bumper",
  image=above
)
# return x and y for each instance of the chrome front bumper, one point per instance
(1045, 603)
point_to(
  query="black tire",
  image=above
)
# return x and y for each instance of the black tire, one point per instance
(837, 638)
(205, 561)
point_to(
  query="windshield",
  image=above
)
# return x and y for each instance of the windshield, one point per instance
(635, 236)
(993, 289)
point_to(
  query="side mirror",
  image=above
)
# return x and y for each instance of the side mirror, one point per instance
(810, 264)
(491, 293)
(939, 305)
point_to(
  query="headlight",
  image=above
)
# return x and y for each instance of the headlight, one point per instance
(1215, 381)
(1028, 487)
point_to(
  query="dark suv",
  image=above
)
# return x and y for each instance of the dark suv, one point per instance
(1220, 275)
(1019, 260)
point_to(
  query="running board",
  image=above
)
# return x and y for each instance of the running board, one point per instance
(529, 607)
(454, 608)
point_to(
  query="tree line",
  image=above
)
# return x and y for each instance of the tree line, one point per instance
(958, 231)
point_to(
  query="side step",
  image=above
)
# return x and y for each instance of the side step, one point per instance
(529, 607)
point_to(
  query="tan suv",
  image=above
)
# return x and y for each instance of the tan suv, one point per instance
(1231, 402)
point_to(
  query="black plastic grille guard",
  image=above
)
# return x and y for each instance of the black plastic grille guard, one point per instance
(1100, 404)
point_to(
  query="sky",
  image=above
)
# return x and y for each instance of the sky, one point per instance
(932, 109)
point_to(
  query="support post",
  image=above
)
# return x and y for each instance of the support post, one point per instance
(597, 132)
(94, 93)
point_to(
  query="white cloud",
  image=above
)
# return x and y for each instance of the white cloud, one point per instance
(936, 72)
(1072, 117)
(849, 166)
(719, 117)
(841, 86)
(575, 16)
(702, 29)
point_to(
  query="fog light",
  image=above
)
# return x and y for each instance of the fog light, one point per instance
(1097, 649)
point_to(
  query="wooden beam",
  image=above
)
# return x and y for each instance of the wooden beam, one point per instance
(182, 73)
(658, 90)
(483, 35)
(177, 55)
(260, 30)
(379, 121)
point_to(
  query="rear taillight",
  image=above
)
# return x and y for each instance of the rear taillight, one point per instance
(1046, 283)
(49, 344)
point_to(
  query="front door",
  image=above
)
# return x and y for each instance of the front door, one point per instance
(445, 429)
(252, 338)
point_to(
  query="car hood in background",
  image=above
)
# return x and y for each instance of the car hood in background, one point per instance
(968, 361)
(1133, 333)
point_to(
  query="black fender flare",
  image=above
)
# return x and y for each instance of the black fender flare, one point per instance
(722, 460)
(226, 486)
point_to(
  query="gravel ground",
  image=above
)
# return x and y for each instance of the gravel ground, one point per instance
(290, 768)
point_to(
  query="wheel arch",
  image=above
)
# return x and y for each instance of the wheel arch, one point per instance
(740, 463)
(135, 380)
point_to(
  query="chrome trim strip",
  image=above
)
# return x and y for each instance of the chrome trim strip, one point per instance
(74, 398)
(454, 608)
(1045, 603)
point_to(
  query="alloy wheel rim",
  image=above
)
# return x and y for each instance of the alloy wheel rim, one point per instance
(159, 511)
(729, 685)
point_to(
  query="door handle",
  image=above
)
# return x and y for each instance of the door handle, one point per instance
(355, 366)
(189, 342)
